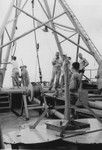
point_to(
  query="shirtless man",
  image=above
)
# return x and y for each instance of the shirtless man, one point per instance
(25, 81)
(74, 82)
(74, 85)
(83, 63)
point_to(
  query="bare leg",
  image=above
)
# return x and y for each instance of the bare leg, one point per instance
(57, 79)
(52, 79)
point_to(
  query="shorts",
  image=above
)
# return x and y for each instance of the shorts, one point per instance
(73, 98)
(81, 71)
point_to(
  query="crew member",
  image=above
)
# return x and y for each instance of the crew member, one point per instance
(83, 63)
(25, 81)
(74, 85)
(99, 78)
(75, 78)
(65, 58)
(56, 71)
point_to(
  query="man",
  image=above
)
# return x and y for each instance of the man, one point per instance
(65, 58)
(74, 85)
(24, 76)
(70, 62)
(15, 72)
(83, 63)
(56, 71)
(75, 78)
(99, 78)
(62, 71)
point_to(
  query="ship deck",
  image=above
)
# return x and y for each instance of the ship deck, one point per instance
(17, 134)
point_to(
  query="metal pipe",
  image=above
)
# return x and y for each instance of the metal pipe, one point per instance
(54, 8)
(37, 101)
(43, 9)
(78, 48)
(18, 13)
(12, 36)
(7, 34)
(6, 18)
(42, 24)
(67, 91)
(81, 31)
(35, 37)
(1, 140)
(68, 38)
(65, 26)
(95, 105)
(26, 33)
(57, 113)
(53, 27)
(2, 40)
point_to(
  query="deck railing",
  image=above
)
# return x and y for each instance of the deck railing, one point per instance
(91, 73)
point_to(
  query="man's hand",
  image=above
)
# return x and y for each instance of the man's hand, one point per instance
(54, 62)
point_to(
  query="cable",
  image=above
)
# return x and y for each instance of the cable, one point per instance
(64, 29)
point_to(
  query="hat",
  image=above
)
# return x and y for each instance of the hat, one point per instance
(24, 66)
(69, 57)
(13, 57)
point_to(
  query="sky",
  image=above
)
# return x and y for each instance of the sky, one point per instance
(88, 13)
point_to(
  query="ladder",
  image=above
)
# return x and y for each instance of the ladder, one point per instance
(94, 51)
(5, 103)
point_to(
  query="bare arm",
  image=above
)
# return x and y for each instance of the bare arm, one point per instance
(54, 62)
(86, 63)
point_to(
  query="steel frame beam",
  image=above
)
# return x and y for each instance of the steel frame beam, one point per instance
(43, 24)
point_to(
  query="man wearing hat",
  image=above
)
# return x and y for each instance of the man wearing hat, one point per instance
(24, 76)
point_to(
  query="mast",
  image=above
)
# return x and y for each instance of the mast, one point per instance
(6, 18)
(2, 40)
(53, 27)
(81, 31)
(37, 45)
(78, 48)
(12, 36)
(52, 23)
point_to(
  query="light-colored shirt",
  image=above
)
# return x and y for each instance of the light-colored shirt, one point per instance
(14, 66)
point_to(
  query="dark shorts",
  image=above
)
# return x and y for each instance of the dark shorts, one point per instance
(81, 71)
(73, 98)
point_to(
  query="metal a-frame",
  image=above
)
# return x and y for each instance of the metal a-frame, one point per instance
(55, 11)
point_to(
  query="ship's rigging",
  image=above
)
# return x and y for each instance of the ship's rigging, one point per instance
(59, 10)
(59, 30)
